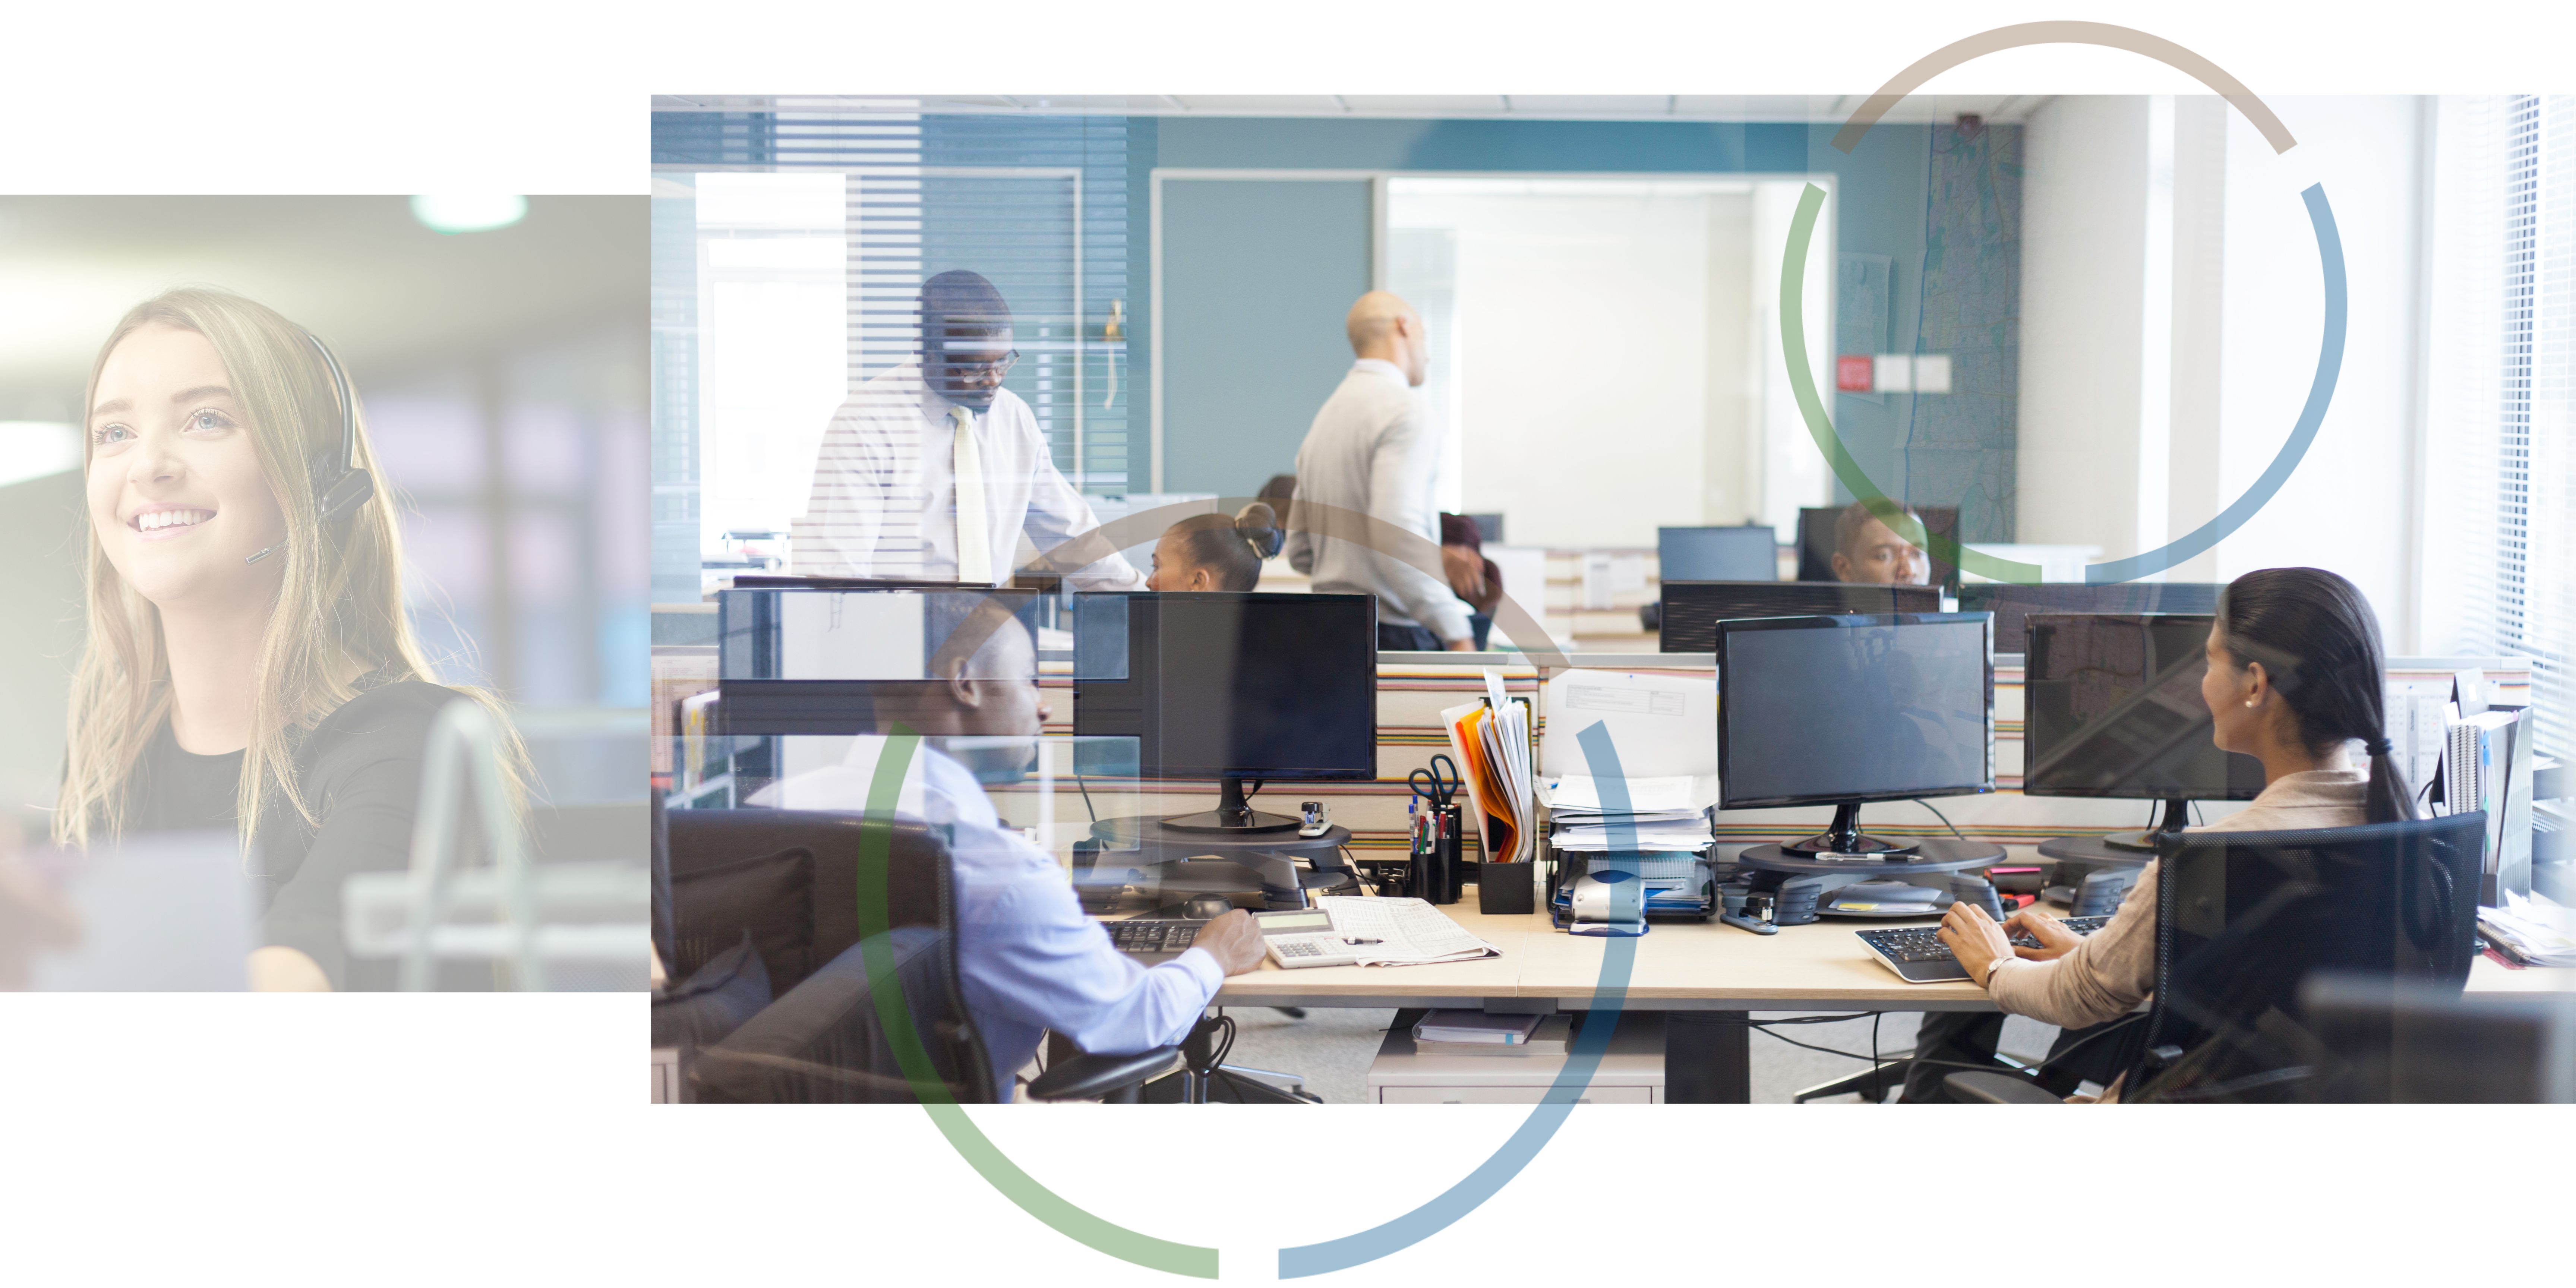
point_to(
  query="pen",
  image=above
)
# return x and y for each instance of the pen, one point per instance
(1363, 941)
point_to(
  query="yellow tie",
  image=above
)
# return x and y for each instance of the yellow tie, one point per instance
(974, 536)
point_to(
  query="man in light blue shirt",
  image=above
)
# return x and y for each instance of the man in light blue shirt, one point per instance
(1030, 961)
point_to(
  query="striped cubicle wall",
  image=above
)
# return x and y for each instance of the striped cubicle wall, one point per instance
(1414, 687)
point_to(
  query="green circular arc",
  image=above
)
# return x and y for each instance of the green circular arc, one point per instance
(1811, 408)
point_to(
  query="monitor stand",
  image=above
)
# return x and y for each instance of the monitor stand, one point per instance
(1843, 839)
(1232, 814)
(2177, 817)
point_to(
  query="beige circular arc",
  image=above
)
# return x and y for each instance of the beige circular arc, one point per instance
(2107, 35)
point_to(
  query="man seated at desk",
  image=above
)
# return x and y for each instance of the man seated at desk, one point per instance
(1030, 961)
(1868, 552)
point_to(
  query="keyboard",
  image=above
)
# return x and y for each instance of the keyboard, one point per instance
(1918, 956)
(1152, 935)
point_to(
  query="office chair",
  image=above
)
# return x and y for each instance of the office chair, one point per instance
(788, 882)
(2245, 919)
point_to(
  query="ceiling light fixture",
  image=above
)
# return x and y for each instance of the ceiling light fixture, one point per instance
(468, 213)
(34, 449)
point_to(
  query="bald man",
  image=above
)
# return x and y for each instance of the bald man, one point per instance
(1374, 451)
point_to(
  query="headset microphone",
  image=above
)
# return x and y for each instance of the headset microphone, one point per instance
(339, 486)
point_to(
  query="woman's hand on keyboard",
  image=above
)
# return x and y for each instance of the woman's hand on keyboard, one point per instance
(2055, 940)
(1234, 940)
(1973, 938)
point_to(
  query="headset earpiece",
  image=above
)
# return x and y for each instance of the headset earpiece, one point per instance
(339, 486)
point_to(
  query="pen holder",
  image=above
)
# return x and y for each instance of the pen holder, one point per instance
(1446, 870)
(1503, 889)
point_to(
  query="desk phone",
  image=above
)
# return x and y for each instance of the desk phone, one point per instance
(1303, 938)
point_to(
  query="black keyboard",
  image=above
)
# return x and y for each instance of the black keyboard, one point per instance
(1152, 934)
(1918, 956)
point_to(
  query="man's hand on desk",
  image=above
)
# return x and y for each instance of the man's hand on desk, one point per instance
(1974, 939)
(1234, 940)
(2055, 940)
(1462, 646)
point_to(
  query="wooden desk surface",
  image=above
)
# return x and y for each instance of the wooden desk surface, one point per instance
(1680, 965)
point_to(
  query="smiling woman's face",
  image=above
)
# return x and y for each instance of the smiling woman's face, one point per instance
(175, 489)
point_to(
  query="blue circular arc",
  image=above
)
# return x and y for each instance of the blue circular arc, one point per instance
(1515, 1153)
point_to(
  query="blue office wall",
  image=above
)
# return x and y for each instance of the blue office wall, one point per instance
(1935, 202)
(1254, 341)
(1248, 350)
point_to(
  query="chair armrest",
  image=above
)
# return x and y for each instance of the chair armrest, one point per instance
(1090, 1077)
(1977, 1087)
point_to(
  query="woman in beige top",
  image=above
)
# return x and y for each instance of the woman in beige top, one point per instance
(2295, 675)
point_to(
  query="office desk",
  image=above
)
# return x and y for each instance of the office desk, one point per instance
(1705, 975)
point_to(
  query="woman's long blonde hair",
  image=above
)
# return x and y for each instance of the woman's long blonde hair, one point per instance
(339, 612)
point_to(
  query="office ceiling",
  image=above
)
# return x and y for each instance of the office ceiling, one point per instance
(390, 295)
(1612, 107)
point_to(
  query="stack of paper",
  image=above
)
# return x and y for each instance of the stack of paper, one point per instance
(1474, 1026)
(1662, 815)
(1401, 932)
(1492, 739)
(2536, 931)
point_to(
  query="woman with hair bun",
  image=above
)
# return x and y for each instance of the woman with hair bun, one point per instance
(2296, 679)
(1213, 552)
(249, 665)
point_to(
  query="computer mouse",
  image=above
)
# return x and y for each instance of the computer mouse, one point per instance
(1207, 907)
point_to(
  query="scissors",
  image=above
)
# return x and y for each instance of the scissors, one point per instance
(1438, 791)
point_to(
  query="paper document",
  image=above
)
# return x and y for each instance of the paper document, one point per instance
(1662, 725)
(1409, 932)
(1577, 792)
(1491, 740)
(2534, 931)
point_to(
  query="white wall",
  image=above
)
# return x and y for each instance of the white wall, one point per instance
(1583, 333)
(1614, 350)
(2084, 226)
(2350, 506)
(2172, 304)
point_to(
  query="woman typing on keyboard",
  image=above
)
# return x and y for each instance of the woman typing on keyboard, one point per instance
(2295, 674)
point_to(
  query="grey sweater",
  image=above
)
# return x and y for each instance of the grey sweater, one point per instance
(1373, 454)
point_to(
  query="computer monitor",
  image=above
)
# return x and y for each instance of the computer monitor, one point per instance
(1717, 554)
(1816, 529)
(1843, 710)
(1691, 610)
(2112, 708)
(1230, 686)
(2010, 603)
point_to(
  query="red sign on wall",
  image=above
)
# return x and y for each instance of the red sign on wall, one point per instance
(1855, 373)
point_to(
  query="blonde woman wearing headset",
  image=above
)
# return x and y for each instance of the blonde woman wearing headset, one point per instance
(249, 665)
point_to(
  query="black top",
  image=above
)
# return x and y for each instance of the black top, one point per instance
(359, 770)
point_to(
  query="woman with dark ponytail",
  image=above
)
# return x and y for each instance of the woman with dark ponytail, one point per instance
(1213, 552)
(2295, 678)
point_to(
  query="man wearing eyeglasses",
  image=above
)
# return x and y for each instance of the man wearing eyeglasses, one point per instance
(933, 471)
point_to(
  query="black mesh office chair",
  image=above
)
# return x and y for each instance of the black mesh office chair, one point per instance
(781, 886)
(2243, 919)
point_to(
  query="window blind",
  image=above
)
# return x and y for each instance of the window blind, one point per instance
(2500, 551)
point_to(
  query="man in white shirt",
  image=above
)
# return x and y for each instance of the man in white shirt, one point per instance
(936, 441)
(1373, 450)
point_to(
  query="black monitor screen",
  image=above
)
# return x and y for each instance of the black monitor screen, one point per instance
(1815, 710)
(1226, 684)
(2011, 603)
(1717, 554)
(2111, 707)
(1692, 609)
